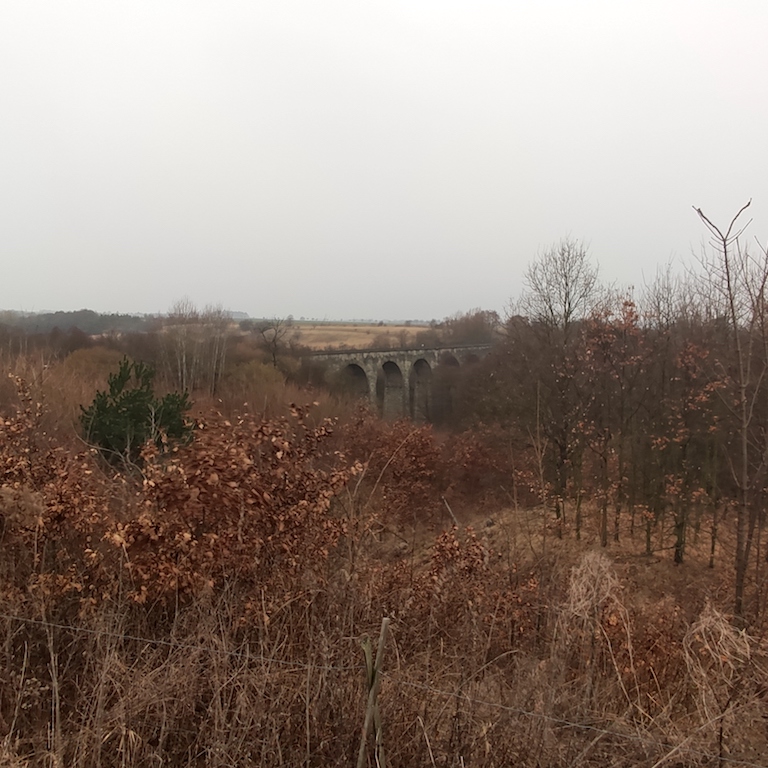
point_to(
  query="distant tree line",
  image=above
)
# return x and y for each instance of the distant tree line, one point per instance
(85, 320)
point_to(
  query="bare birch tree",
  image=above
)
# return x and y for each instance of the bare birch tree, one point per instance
(196, 344)
(215, 322)
(182, 344)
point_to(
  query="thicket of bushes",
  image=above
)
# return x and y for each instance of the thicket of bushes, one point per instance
(209, 611)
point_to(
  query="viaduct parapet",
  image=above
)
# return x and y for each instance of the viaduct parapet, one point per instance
(398, 381)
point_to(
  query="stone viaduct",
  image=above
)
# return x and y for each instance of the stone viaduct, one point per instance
(399, 382)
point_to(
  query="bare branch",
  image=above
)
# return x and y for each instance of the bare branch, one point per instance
(727, 238)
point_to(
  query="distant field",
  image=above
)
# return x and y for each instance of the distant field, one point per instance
(352, 335)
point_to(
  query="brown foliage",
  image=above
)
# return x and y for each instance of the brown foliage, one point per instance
(209, 611)
(248, 499)
(410, 470)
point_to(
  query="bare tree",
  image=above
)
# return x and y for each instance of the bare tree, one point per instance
(561, 289)
(670, 313)
(669, 299)
(736, 282)
(478, 326)
(183, 344)
(272, 334)
(196, 345)
(215, 322)
(561, 286)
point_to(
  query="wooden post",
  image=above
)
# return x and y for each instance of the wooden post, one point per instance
(373, 672)
(450, 511)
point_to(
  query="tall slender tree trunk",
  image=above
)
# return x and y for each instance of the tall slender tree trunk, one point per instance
(742, 283)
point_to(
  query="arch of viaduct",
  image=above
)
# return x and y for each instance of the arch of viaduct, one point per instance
(397, 381)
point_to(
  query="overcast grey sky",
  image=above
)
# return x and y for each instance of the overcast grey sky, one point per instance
(339, 159)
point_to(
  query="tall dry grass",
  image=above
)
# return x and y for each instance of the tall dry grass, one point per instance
(484, 667)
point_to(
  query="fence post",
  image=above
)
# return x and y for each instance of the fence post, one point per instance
(373, 672)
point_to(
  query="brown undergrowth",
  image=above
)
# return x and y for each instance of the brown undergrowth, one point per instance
(209, 611)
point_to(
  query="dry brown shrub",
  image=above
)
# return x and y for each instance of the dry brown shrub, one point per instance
(402, 467)
(248, 499)
(20, 509)
(658, 629)
(256, 383)
(69, 383)
(54, 502)
(411, 472)
(593, 654)
(729, 672)
(477, 468)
